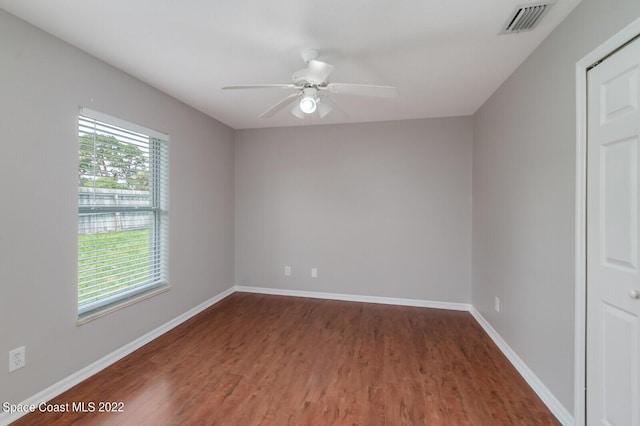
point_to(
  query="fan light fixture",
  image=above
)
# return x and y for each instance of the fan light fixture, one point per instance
(308, 104)
(312, 89)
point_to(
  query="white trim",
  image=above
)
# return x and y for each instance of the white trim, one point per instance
(119, 122)
(547, 397)
(356, 298)
(83, 374)
(536, 384)
(123, 304)
(609, 46)
(579, 384)
(556, 407)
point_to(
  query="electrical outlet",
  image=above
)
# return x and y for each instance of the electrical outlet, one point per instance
(314, 272)
(17, 359)
(287, 271)
(496, 304)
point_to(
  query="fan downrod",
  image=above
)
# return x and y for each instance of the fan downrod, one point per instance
(309, 55)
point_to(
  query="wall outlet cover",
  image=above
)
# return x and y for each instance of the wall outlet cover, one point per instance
(17, 358)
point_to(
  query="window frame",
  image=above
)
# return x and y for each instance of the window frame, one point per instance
(158, 276)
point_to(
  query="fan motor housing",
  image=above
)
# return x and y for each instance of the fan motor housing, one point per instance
(301, 76)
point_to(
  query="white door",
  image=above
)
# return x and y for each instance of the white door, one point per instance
(613, 280)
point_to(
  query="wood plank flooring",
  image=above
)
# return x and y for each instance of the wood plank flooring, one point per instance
(255, 359)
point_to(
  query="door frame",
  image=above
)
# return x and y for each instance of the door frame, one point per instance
(582, 66)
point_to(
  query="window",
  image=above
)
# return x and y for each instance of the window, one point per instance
(122, 213)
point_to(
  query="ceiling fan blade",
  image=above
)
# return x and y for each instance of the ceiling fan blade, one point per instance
(297, 111)
(363, 90)
(279, 106)
(318, 71)
(261, 86)
(336, 111)
(324, 108)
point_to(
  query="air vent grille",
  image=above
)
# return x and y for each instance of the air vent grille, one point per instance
(526, 18)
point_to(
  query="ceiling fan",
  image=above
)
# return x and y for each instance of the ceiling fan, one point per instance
(312, 89)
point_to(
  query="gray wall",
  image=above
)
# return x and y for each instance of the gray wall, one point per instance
(43, 81)
(381, 209)
(523, 196)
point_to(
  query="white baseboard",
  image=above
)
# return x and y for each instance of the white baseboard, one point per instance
(536, 384)
(83, 374)
(556, 407)
(356, 298)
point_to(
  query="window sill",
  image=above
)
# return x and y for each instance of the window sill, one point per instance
(92, 315)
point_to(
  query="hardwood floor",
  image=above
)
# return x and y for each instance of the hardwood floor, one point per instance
(256, 359)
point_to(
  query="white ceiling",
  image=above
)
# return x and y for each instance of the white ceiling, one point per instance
(445, 56)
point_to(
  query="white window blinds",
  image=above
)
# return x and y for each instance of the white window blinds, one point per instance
(122, 212)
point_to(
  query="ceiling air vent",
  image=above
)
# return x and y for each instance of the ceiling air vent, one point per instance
(526, 17)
